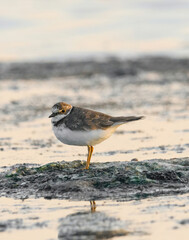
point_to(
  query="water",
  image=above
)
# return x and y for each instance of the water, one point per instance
(143, 219)
(58, 30)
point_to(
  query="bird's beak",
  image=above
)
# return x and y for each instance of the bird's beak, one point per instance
(52, 115)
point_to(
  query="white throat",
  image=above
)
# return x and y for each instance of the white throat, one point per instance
(59, 117)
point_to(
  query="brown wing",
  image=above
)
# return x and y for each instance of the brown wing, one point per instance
(84, 119)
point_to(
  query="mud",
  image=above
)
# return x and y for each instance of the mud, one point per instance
(19, 223)
(111, 67)
(115, 180)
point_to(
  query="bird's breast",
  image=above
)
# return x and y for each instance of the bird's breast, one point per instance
(81, 138)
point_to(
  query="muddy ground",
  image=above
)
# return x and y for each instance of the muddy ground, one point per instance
(115, 180)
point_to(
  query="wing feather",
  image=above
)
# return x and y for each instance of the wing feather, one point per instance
(85, 119)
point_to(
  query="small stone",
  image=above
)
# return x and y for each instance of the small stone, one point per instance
(134, 160)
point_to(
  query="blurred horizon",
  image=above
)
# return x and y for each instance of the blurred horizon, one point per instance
(62, 30)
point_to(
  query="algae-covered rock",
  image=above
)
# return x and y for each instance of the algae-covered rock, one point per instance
(113, 180)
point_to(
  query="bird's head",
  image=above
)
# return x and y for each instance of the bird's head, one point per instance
(59, 111)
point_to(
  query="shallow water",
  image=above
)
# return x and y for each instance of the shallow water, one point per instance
(144, 219)
(160, 92)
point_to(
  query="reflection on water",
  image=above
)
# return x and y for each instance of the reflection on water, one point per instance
(93, 206)
(91, 225)
(136, 219)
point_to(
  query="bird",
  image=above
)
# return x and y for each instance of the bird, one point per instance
(79, 126)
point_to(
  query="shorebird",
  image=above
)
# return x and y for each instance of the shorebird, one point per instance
(84, 127)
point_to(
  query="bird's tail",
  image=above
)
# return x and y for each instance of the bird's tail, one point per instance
(121, 120)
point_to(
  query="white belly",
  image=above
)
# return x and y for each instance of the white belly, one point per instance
(82, 138)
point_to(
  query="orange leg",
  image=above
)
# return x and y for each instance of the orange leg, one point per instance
(93, 206)
(90, 151)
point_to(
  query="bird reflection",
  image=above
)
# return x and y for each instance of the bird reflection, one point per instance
(91, 224)
(93, 206)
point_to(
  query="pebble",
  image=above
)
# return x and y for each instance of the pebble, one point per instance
(134, 160)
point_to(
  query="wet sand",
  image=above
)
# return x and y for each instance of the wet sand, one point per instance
(35, 165)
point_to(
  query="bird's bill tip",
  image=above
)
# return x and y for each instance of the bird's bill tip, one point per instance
(52, 115)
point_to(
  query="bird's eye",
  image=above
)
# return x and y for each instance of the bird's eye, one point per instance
(63, 110)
